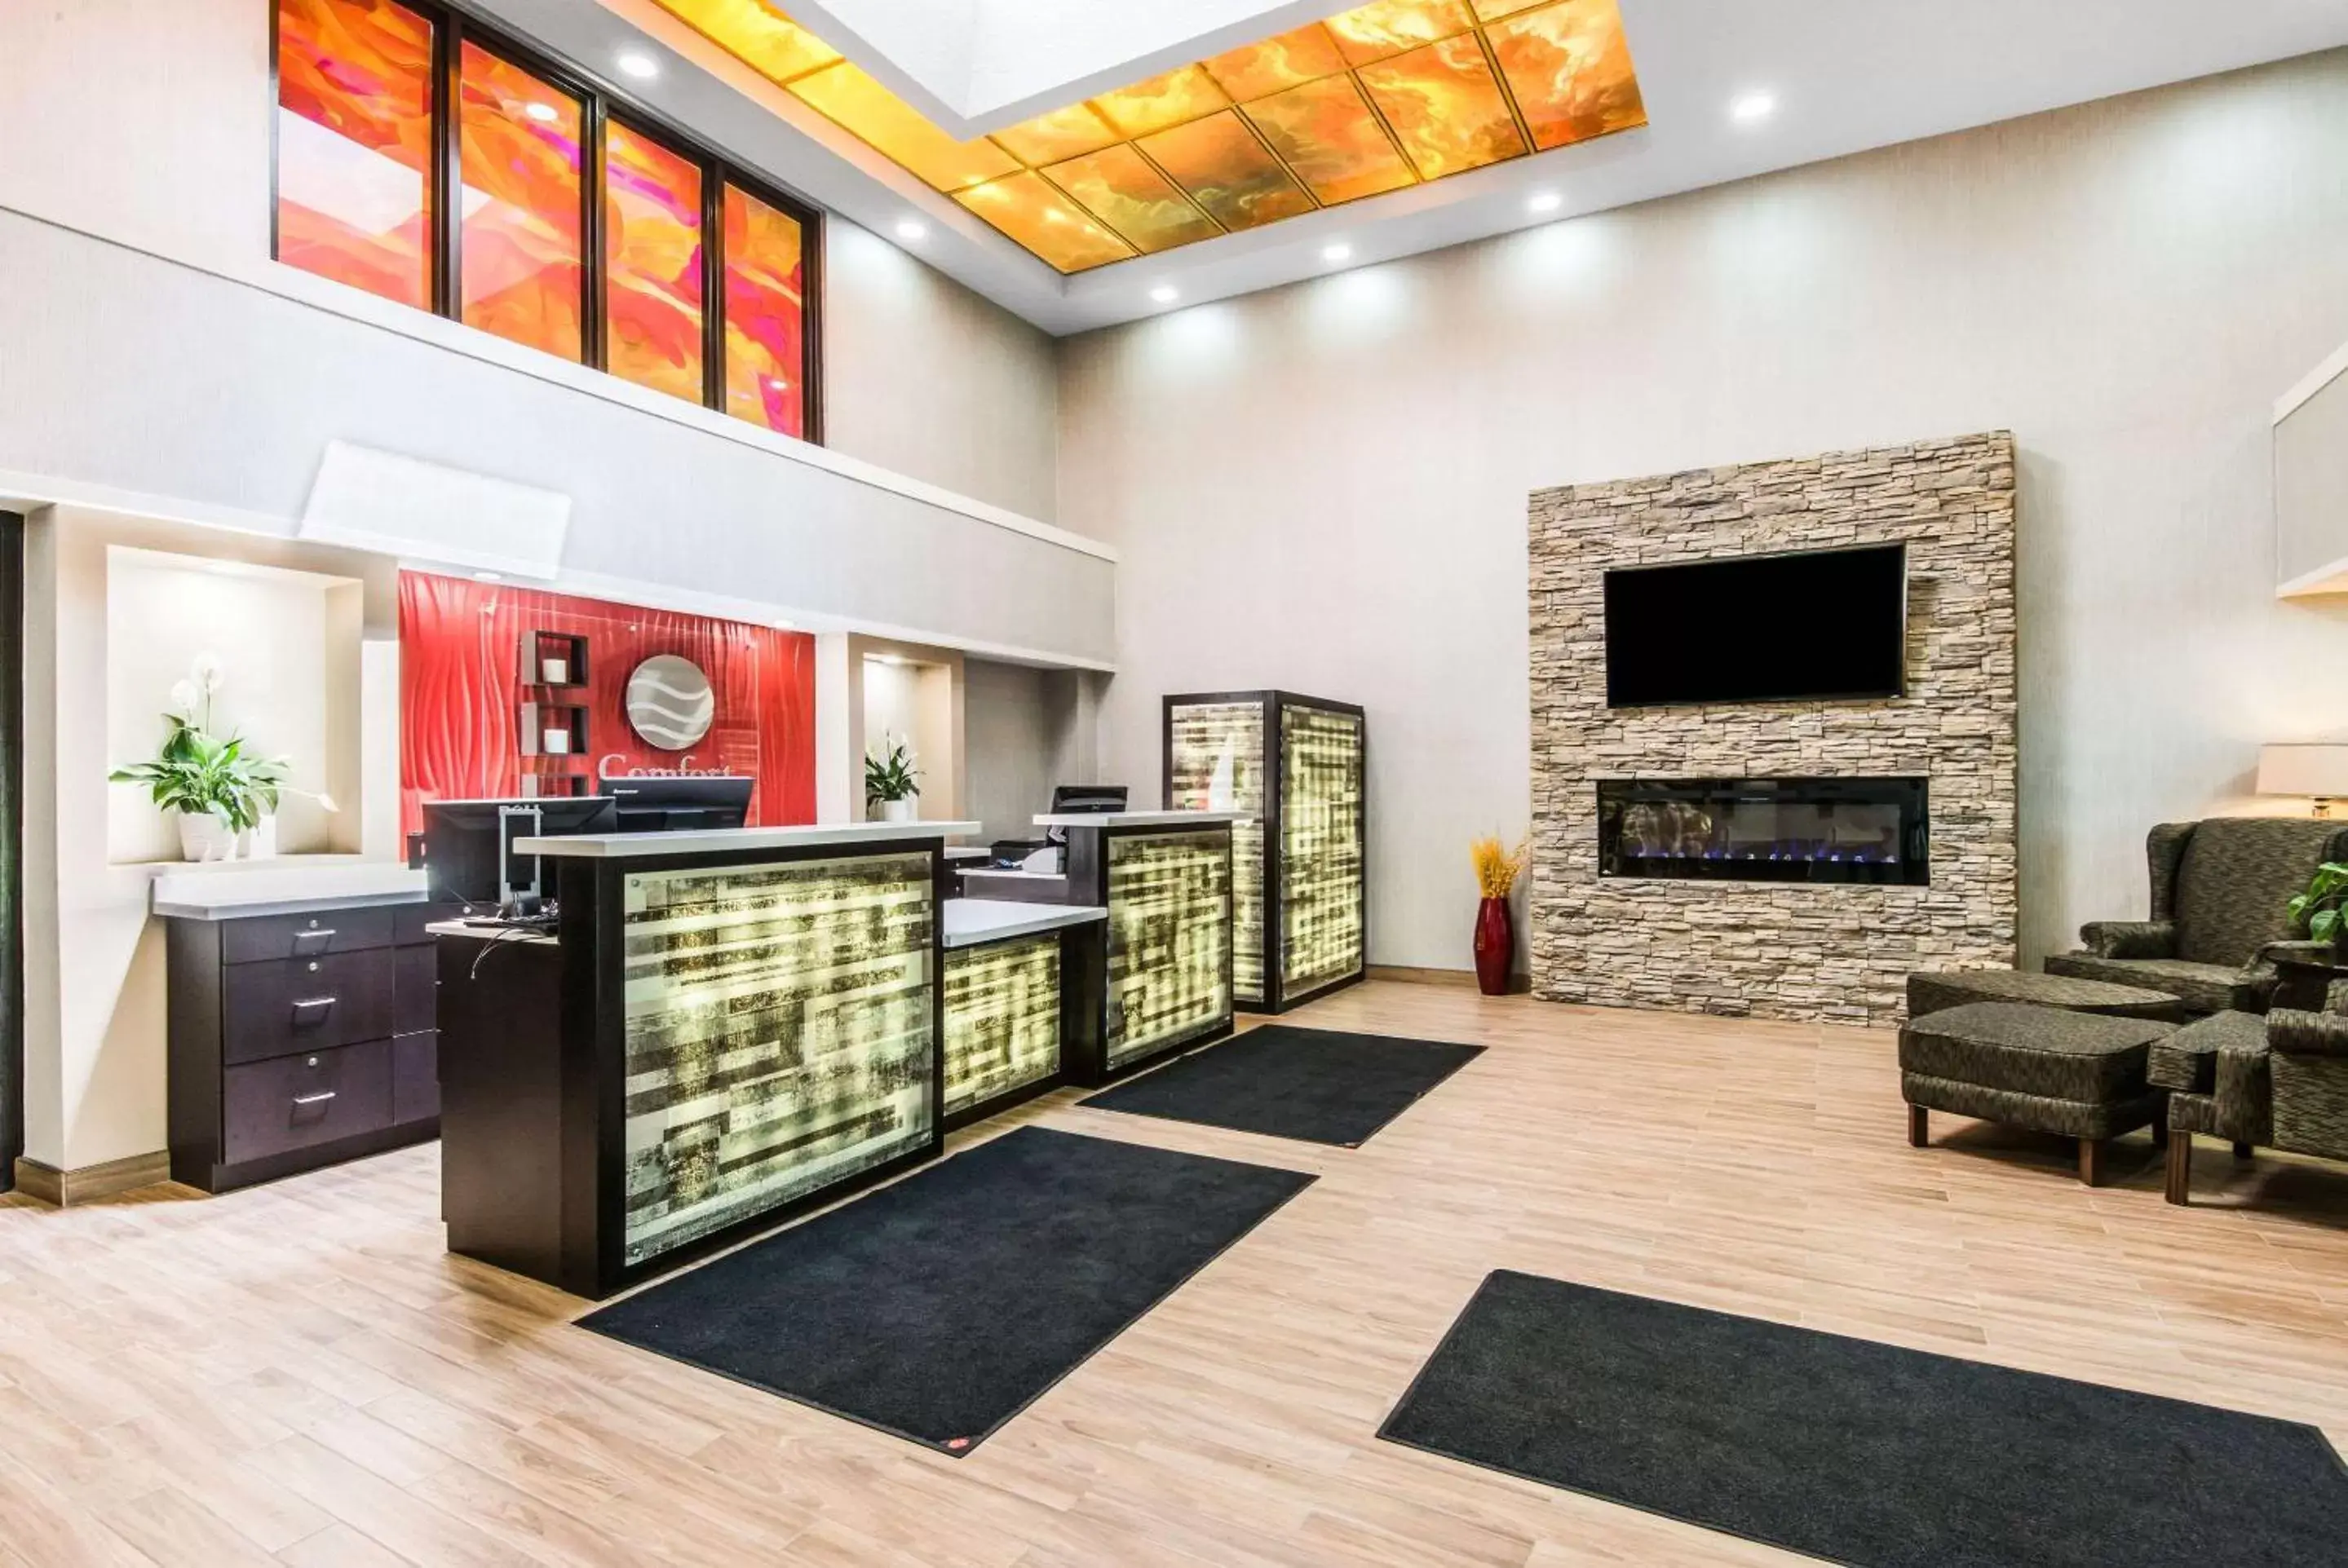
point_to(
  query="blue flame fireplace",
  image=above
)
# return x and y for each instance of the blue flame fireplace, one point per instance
(1873, 830)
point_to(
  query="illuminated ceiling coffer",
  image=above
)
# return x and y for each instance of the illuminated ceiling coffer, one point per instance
(1389, 95)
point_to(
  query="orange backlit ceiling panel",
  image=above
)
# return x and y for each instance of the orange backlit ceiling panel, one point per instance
(1387, 95)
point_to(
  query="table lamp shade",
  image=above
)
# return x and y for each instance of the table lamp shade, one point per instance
(2317, 770)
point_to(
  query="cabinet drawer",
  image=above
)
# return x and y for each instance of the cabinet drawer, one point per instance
(306, 1004)
(415, 1077)
(299, 1102)
(409, 920)
(267, 937)
(415, 980)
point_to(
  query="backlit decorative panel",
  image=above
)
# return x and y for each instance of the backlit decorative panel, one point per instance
(521, 263)
(652, 251)
(1320, 846)
(1372, 99)
(1215, 760)
(766, 315)
(779, 1035)
(353, 145)
(1169, 935)
(1002, 1019)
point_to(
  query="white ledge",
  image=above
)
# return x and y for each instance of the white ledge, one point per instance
(969, 922)
(729, 840)
(235, 889)
(1141, 818)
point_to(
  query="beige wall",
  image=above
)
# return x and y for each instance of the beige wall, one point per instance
(94, 1033)
(1324, 488)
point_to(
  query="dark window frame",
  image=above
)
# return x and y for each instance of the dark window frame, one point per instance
(600, 103)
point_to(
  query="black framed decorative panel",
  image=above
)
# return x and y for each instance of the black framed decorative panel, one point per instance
(1003, 1020)
(1169, 914)
(779, 1036)
(1298, 766)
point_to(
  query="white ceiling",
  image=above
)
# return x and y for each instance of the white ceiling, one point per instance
(1846, 75)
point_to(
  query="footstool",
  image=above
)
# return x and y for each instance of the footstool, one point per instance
(2077, 1075)
(1931, 993)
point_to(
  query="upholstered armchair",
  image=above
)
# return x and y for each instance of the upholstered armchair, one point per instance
(2279, 1082)
(2220, 887)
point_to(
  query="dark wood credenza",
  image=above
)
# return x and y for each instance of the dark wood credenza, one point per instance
(297, 1039)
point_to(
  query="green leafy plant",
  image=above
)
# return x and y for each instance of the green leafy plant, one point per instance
(2317, 911)
(891, 775)
(199, 773)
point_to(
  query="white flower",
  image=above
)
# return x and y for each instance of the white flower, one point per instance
(328, 801)
(183, 698)
(207, 672)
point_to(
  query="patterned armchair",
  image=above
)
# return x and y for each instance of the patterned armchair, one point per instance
(2219, 892)
(2278, 1081)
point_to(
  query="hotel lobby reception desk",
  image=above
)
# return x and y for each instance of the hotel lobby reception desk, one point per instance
(726, 1026)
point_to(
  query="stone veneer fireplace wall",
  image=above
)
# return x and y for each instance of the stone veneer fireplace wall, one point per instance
(1780, 949)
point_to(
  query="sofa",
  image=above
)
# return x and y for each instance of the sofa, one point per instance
(2220, 888)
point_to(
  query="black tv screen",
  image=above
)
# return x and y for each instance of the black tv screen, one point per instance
(1807, 627)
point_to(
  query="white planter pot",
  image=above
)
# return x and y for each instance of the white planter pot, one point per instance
(897, 810)
(205, 837)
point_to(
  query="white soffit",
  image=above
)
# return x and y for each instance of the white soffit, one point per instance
(1846, 75)
(428, 513)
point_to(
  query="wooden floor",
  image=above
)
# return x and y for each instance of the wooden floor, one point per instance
(300, 1375)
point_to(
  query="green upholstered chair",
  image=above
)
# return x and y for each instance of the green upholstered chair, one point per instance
(2220, 887)
(2280, 1082)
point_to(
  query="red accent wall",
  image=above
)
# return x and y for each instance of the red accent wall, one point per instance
(460, 694)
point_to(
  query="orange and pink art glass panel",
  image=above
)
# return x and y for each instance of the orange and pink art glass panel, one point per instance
(520, 246)
(766, 315)
(652, 264)
(355, 145)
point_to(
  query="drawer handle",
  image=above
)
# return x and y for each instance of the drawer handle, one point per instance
(319, 1099)
(325, 934)
(312, 1011)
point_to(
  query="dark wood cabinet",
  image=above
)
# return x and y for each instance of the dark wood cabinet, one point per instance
(299, 1040)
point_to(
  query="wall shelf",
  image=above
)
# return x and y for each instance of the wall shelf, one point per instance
(553, 658)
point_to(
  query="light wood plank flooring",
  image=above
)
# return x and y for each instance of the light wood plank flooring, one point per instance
(300, 1375)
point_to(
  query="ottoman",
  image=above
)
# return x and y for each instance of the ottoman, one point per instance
(1931, 993)
(2077, 1075)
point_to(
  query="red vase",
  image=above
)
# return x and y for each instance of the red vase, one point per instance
(1495, 944)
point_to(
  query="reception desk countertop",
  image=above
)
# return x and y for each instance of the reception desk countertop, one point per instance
(1141, 818)
(734, 840)
(972, 921)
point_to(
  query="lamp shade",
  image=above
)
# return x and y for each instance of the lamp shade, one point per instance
(2316, 770)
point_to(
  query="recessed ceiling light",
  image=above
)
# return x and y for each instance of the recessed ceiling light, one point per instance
(1753, 108)
(1543, 201)
(637, 63)
(542, 113)
(489, 577)
(912, 229)
(1165, 293)
(1340, 252)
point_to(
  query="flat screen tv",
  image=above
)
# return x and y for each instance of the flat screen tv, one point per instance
(1813, 626)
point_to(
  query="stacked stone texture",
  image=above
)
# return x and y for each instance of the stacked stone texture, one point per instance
(1790, 950)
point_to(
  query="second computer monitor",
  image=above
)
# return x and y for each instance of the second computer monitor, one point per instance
(1067, 799)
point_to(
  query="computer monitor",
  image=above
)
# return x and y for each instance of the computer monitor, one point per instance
(676, 802)
(469, 853)
(1071, 798)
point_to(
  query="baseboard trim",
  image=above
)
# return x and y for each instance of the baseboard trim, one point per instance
(87, 1184)
(1405, 975)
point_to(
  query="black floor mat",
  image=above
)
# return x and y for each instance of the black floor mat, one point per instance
(938, 1308)
(1323, 1086)
(1860, 1452)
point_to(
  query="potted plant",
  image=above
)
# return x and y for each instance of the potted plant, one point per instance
(892, 783)
(216, 790)
(1496, 869)
(2318, 912)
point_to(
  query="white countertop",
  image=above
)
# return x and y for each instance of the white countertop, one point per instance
(726, 840)
(969, 921)
(1139, 818)
(234, 889)
(1022, 876)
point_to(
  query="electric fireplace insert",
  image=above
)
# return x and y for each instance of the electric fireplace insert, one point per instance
(1765, 829)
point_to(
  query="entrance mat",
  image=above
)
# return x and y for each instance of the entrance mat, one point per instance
(1322, 1086)
(1862, 1453)
(940, 1306)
